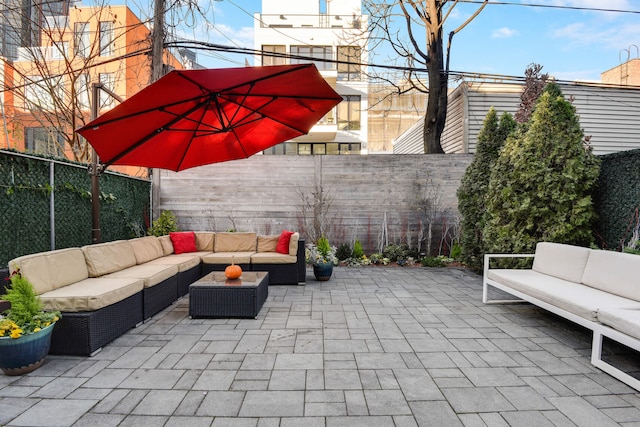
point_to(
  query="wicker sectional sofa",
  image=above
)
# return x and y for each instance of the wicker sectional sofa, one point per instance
(104, 290)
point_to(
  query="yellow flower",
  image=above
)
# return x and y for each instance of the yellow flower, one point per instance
(15, 333)
(36, 329)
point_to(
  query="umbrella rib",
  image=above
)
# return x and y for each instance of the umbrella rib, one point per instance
(152, 134)
(194, 132)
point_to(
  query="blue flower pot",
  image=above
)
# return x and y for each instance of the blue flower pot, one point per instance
(22, 355)
(323, 272)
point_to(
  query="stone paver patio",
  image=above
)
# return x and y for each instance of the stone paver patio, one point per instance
(372, 347)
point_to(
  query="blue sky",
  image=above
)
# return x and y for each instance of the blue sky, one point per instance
(503, 39)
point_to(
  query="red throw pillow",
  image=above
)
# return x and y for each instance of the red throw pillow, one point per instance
(283, 242)
(183, 241)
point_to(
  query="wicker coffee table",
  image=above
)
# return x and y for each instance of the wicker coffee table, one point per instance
(215, 296)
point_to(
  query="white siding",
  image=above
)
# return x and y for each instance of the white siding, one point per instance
(610, 115)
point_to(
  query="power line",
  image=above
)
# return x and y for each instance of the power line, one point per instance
(551, 6)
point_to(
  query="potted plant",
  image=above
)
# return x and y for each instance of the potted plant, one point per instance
(322, 256)
(25, 329)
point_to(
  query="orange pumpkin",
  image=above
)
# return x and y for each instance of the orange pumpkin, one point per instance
(233, 271)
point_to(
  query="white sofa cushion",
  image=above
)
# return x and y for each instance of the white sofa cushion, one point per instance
(624, 320)
(562, 261)
(146, 249)
(105, 258)
(573, 297)
(90, 294)
(52, 270)
(614, 272)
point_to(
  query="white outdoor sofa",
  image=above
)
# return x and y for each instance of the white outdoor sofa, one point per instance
(597, 289)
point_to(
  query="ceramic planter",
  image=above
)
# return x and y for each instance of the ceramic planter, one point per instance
(323, 272)
(25, 354)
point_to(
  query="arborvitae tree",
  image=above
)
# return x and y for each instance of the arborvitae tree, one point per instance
(540, 188)
(475, 182)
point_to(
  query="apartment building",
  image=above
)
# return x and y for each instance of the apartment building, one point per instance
(329, 32)
(47, 87)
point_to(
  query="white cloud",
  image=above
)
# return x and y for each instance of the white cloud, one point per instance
(503, 33)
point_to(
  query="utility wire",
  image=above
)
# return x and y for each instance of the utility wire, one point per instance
(551, 6)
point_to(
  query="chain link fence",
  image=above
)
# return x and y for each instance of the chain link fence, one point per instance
(45, 204)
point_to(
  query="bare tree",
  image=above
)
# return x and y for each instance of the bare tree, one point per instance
(534, 84)
(51, 78)
(419, 18)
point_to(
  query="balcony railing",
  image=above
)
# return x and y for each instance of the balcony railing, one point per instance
(312, 21)
(42, 53)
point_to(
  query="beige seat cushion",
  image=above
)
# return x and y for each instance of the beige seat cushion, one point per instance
(146, 248)
(52, 270)
(90, 294)
(226, 257)
(167, 246)
(150, 273)
(105, 258)
(235, 242)
(267, 243)
(614, 272)
(204, 240)
(293, 244)
(272, 258)
(183, 263)
(562, 261)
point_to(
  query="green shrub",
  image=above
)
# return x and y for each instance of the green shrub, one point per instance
(166, 223)
(472, 192)
(456, 251)
(540, 188)
(358, 252)
(344, 252)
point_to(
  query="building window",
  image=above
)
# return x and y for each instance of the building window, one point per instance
(82, 92)
(81, 40)
(349, 148)
(108, 81)
(41, 140)
(43, 93)
(106, 38)
(349, 59)
(278, 58)
(329, 118)
(323, 53)
(306, 149)
(349, 113)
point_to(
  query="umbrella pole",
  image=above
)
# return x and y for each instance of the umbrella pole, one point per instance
(95, 174)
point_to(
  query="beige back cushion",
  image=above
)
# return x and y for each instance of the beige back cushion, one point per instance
(204, 240)
(235, 242)
(562, 261)
(48, 271)
(267, 243)
(146, 249)
(167, 245)
(613, 272)
(293, 244)
(105, 258)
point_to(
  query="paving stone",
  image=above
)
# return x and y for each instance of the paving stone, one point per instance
(476, 399)
(288, 380)
(386, 402)
(581, 412)
(160, 402)
(53, 412)
(221, 404)
(273, 404)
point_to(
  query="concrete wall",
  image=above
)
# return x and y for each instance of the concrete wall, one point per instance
(266, 194)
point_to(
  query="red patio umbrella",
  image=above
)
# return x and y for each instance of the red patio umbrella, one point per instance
(191, 118)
